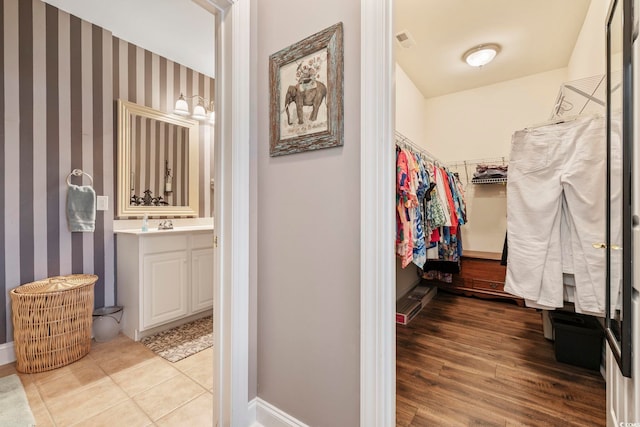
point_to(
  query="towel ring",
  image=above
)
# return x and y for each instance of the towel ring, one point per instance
(79, 172)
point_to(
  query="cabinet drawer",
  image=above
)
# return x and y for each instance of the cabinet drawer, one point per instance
(202, 240)
(167, 243)
(488, 285)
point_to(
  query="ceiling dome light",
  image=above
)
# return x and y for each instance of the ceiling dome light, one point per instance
(481, 55)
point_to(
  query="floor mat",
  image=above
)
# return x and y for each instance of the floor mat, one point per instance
(182, 341)
(14, 406)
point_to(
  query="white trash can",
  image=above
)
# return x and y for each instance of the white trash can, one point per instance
(106, 323)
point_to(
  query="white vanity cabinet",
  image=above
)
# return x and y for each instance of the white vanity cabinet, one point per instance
(164, 278)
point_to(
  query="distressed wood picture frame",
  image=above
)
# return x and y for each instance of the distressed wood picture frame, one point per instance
(307, 94)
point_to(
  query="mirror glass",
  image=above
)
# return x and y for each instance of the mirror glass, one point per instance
(157, 163)
(618, 188)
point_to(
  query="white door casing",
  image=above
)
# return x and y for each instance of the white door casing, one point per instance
(377, 267)
(231, 216)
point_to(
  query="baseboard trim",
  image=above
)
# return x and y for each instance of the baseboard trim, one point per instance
(268, 415)
(7, 353)
(253, 419)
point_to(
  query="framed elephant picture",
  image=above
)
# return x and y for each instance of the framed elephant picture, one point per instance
(306, 105)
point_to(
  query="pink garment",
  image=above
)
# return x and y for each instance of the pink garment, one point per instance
(404, 238)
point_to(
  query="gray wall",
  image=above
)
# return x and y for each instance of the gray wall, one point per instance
(309, 238)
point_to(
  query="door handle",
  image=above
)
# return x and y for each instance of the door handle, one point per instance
(601, 245)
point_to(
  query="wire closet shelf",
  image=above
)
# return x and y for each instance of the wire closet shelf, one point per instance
(463, 167)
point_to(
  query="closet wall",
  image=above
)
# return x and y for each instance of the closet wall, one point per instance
(588, 58)
(410, 107)
(479, 123)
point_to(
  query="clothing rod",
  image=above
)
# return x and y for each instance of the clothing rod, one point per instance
(404, 140)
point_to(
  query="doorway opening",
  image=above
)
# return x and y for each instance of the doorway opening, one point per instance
(467, 346)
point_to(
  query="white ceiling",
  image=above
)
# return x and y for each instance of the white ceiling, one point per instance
(535, 35)
(179, 30)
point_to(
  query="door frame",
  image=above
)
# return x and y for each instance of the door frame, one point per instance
(377, 219)
(231, 211)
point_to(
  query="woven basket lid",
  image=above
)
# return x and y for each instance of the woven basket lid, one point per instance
(56, 284)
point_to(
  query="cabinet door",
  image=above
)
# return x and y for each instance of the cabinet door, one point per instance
(201, 279)
(164, 288)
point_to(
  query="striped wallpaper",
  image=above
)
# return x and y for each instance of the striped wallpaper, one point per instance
(158, 146)
(61, 77)
(148, 79)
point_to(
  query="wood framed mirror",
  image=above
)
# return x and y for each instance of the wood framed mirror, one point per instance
(157, 163)
(619, 255)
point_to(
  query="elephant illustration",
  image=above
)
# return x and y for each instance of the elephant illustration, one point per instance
(305, 94)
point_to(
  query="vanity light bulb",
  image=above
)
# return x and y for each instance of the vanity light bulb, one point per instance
(182, 108)
(199, 113)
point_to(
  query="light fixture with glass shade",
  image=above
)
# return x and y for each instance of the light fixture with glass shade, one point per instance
(204, 110)
(481, 55)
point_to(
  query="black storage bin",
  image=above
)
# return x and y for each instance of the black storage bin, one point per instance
(578, 339)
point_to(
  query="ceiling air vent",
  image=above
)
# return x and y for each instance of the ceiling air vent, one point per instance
(405, 39)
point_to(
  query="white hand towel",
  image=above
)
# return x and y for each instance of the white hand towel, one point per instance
(81, 208)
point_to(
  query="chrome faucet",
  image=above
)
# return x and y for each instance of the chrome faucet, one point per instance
(165, 225)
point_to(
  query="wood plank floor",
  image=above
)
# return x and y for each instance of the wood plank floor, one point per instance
(470, 362)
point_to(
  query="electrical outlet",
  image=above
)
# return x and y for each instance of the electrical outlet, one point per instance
(102, 203)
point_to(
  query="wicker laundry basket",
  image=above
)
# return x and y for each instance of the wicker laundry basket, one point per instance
(52, 321)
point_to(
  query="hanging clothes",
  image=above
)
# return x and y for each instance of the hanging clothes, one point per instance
(429, 209)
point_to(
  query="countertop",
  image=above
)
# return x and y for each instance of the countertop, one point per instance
(176, 229)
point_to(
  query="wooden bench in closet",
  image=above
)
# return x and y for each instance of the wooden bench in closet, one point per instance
(481, 276)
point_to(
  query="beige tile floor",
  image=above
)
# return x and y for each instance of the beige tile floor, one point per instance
(122, 383)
